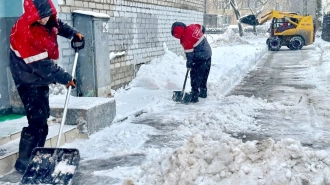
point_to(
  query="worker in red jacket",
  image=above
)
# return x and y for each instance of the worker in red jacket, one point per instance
(33, 49)
(198, 53)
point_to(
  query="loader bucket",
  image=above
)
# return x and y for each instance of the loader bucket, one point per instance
(250, 20)
(51, 166)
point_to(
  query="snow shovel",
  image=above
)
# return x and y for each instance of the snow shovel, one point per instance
(250, 20)
(55, 165)
(181, 96)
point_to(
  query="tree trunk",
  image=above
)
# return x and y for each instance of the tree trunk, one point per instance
(318, 13)
(240, 27)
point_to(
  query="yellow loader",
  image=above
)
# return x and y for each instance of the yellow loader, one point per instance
(286, 29)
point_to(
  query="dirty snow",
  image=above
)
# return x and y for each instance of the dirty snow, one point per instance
(207, 155)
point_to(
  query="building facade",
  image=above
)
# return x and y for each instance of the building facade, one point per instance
(137, 27)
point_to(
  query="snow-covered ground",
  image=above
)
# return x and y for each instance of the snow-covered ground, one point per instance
(206, 155)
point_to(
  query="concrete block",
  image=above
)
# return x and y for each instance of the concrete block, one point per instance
(92, 5)
(71, 135)
(70, 2)
(48, 143)
(4, 140)
(15, 136)
(7, 163)
(65, 9)
(54, 139)
(90, 114)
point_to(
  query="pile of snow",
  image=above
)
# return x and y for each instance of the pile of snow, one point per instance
(162, 72)
(230, 38)
(63, 167)
(225, 160)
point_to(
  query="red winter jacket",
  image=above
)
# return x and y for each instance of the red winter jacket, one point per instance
(34, 46)
(30, 40)
(194, 43)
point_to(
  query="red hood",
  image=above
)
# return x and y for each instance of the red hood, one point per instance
(178, 29)
(34, 42)
(178, 32)
(37, 9)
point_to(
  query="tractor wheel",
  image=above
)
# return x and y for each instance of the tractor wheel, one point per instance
(296, 43)
(274, 44)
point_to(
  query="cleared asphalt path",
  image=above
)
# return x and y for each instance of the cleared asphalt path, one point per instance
(283, 76)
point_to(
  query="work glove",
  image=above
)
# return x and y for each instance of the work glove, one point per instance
(72, 83)
(189, 64)
(77, 37)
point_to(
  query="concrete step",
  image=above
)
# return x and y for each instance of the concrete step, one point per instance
(85, 116)
(9, 150)
(90, 114)
(10, 128)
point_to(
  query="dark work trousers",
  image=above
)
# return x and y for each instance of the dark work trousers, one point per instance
(199, 74)
(36, 104)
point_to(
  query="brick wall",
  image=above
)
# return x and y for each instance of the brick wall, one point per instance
(138, 27)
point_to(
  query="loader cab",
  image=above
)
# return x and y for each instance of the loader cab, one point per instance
(282, 24)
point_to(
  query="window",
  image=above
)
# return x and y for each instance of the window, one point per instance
(224, 20)
(256, 4)
(247, 4)
(277, 6)
(227, 20)
(222, 5)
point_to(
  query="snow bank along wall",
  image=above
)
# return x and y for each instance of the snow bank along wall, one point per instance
(138, 27)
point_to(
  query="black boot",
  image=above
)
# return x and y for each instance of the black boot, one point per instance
(202, 92)
(29, 140)
(194, 97)
(43, 136)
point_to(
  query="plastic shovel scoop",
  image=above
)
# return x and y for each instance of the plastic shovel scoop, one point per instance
(55, 165)
(51, 166)
(178, 95)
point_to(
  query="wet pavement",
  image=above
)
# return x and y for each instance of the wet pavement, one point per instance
(86, 168)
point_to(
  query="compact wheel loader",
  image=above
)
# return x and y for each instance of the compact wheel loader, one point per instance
(286, 29)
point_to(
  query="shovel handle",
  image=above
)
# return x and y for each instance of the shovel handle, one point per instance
(65, 110)
(185, 80)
